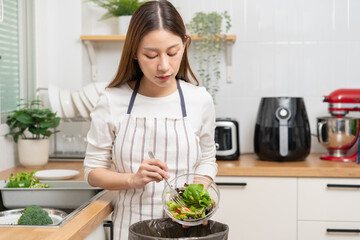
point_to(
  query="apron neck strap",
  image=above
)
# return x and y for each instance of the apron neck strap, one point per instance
(136, 89)
(182, 101)
(133, 95)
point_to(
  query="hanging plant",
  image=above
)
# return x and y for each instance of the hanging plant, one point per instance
(208, 46)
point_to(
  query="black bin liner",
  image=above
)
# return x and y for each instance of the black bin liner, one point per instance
(165, 228)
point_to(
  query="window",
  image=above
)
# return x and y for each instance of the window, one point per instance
(9, 56)
(15, 46)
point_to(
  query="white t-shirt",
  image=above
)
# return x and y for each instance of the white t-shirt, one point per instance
(113, 105)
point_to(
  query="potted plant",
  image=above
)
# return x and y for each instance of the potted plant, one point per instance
(122, 9)
(211, 38)
(30, 127)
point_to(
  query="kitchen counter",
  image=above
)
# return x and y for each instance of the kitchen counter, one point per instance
(247, 165)
(313, 166)
(78, 227)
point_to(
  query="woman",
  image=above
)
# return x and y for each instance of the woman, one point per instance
(151, 105)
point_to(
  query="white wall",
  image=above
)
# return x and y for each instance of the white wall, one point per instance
(7, 149)
(294, 48)
(58, 44)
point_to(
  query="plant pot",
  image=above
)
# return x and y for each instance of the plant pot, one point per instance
(33, 152)
(124, 22)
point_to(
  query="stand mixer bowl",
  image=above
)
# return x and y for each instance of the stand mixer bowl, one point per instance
(338, 135)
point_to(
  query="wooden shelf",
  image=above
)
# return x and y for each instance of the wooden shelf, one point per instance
(102, 37)
(231, 38)
(122, 37)
(90, 41)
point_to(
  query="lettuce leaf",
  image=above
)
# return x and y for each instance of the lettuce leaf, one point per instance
(196, 195)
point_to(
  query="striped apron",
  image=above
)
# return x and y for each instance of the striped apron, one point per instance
(172, 140)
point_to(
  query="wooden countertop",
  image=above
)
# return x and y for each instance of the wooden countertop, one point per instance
(247, 165)
(313, 166)
(76, 165)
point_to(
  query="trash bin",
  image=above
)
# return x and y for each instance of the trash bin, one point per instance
(165, 228)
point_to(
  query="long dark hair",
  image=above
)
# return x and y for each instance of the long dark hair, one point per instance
(152, 15)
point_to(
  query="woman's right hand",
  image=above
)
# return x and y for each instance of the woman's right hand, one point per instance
(150, 170)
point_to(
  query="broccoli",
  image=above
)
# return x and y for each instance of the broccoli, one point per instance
(34, 215)
(31, 208)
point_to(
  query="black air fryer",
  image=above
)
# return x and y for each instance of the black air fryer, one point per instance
(282, 130)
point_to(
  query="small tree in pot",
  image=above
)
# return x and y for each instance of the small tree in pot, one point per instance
(31, 127)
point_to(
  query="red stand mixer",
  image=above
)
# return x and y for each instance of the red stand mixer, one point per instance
(338, 133)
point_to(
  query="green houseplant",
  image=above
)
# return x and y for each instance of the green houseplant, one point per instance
(30, 126)
(211, 41)
(122, 9)
(117, 8)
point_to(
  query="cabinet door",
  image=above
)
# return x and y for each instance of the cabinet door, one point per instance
(100, 233)
(257, 208)
(329, 199)
(309, 230)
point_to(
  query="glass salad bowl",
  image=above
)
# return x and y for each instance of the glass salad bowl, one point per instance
(200, 194)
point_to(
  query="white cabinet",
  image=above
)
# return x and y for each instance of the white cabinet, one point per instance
(329, 199)
(313, 230)
(257, 208)
(328, 208)
(100, 232)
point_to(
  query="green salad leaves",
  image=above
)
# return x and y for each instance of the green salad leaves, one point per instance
(197, 200)
(196, 195)
(24, 180)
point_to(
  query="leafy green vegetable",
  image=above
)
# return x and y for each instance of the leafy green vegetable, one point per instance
(195, 194)
(197, 200)
(34, 215)
(25, 180)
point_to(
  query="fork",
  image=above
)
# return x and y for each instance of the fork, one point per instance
(175, 196)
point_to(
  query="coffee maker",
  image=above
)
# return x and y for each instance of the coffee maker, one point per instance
(338, 133)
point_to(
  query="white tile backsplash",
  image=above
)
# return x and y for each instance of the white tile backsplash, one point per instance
(295, 23)
(246, 70)
(317, 19)
(267, 69)
(296, 70)
(354, 20)
(298, 48)
(340, 20)
(340, 65)
(354, 65)
(281, 67)
(281, 22)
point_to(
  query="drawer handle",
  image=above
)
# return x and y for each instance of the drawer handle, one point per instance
(230, 184)
(343, 230)
(110, 225)
(343, 185)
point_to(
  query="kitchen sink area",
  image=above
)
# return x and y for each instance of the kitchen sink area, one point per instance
(82, 211)
(63, 201)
